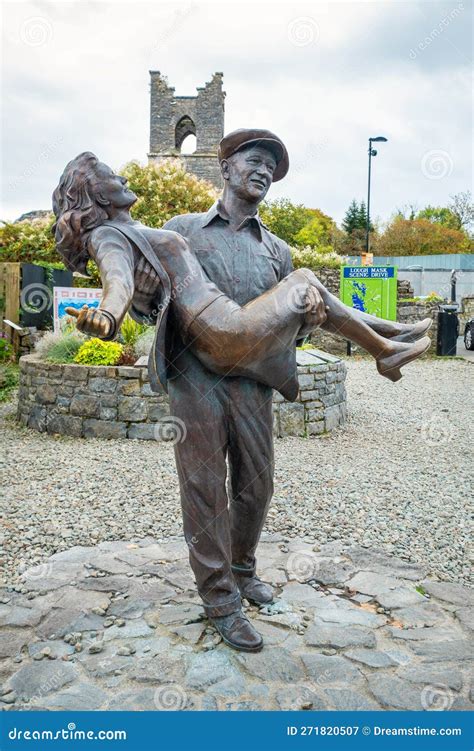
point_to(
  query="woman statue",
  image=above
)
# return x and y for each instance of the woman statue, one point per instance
(138, 264)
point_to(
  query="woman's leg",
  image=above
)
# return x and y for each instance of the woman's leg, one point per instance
(388, 329)
(267, 327)
(259, 337)
(341, 319)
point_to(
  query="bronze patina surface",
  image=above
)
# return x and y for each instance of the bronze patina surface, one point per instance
(228, 309)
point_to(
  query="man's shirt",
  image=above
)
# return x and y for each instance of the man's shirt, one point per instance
(242, 262)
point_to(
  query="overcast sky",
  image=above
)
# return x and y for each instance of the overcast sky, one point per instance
(324, 76)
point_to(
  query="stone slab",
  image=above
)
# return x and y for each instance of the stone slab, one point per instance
(325, 635)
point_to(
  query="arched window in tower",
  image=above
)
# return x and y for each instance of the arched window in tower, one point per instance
(185, 135)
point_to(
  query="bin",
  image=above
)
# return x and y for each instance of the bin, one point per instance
(448, 330)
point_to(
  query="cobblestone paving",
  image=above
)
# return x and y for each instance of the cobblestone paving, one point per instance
(119, 626)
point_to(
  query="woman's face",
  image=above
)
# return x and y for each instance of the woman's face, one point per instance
(111, 188)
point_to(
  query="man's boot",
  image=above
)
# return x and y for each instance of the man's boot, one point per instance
(251, 587)
(237, 631)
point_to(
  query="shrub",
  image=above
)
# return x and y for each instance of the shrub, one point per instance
(60, 346)
(9, 375)
(144, 342)
(309, 258)
(128, 356)
(97, 352)
(7, 353)
(165, 190)
(433, 298)
(130, 330)
(28, 241)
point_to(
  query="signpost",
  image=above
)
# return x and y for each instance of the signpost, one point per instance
(371, 289)
(72, 297)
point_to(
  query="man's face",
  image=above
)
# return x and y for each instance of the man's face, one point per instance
(249, 172)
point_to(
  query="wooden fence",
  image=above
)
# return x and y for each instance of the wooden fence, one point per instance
(10, 288)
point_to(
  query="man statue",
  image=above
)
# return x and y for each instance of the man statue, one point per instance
(230, 418)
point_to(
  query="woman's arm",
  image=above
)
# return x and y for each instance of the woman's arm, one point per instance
(114, 257)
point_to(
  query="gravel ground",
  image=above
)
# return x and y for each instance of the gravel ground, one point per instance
(399, 477)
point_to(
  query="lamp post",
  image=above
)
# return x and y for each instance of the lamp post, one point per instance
(372, 152)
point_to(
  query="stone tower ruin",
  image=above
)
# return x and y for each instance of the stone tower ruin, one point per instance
(173, 118)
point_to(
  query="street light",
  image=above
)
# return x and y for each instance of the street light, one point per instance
(372, 152)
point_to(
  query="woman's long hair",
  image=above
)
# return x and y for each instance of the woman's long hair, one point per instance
(76, 210)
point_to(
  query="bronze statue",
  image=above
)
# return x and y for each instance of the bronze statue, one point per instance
(228, 309)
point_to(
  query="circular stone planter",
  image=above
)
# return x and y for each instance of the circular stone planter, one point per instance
(117, 402)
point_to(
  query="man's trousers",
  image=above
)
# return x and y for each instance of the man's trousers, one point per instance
(220, 421)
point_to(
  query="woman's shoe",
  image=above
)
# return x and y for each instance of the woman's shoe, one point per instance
(389, 365)
(415, 332)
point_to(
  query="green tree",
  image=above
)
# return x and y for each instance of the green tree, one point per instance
(166, 190)
(351, 220)
(356, 218)
(439, 215)
(285, 219)
(318, 232)
(462, 207)
(406, 237)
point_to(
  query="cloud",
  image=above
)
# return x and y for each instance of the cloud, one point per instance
(325, 76)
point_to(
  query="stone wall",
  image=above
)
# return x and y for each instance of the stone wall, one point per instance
(466, 312)
(117, 402)
(411, 312)
(330, 278)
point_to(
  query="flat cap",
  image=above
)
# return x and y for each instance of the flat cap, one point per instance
(242, 137)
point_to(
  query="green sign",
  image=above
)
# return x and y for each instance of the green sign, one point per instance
(372, 289)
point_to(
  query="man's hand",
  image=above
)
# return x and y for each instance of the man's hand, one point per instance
(315, 309)
(146, 278)
(91, 321)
